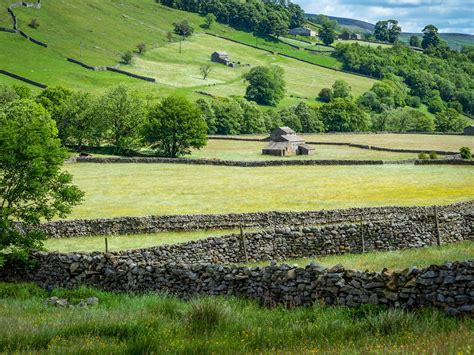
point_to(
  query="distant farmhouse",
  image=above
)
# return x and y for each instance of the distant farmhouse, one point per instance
(347, 36)
(224, 58)
(221, 57)
(469, 131)
(303, 31)
(284, 142)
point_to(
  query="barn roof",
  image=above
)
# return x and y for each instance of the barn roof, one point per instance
(276, 146)
(221, 53)
(292, 138)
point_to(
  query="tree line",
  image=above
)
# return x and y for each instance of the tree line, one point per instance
(441, 78)
(268, 18)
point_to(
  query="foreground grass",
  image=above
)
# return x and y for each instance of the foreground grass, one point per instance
(155, 323)
(126, 242)
(237, 150)
(153, 189)
(400, 259)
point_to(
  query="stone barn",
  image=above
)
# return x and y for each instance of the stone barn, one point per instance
(284, 141)
(302, 31)
(356, 36)
(469, 130)
(221, 57)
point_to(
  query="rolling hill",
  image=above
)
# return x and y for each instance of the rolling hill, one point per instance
(97, 32)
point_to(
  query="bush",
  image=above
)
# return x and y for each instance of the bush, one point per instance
(433, 155)
(141, 48)
(465, 153)
(127, 57)
(34, 23)
(413, 101)
(325, 95)
(423, 156)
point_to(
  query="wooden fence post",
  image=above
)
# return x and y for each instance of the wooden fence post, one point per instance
(362, 233)
(244, 246)
(106, 246)
(438, 233)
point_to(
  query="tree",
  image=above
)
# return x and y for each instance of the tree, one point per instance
(79, 121)
(252, 118)
(341, 89)
(450, 121)
(23, 92)
(310, 118)
(325, 95)
(209, 115)
(328, 32)
(381, 31)
(141, 48)
(209, 20)
(34, 23)
(415, 41)
(175, 125)
(7, 95)
(169, 36)
(52, 98)
(33, 186)
(344, 115)
(183, 28)
(266, 85)
(394, 30)
(430, 37)
(228, 114)
(123, 112)
(273, 24)
(407, 120)
(127, 57)
(436, 104)
(205, 70)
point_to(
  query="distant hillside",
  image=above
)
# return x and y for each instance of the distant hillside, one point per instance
(455, 40)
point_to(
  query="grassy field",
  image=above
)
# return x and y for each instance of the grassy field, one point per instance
(151, 323)
(237, 150)
(400, 259)
(126, 242)
(98, 32)
(154, 189)
(401, 141)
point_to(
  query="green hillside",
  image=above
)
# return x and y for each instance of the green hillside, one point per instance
(98, 32)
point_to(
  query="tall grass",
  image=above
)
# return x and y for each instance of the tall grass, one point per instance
(162, 324)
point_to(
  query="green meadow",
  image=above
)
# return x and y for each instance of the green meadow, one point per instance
(154, 189)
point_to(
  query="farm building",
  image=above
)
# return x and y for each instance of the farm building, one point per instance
(302, 31)
(345, 36)
(284, 141)
(356, 36)
(221, 57)
(469, 130)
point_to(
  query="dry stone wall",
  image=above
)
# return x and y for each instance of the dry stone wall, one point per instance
(449, 287)
(153, 224)
(205, 267)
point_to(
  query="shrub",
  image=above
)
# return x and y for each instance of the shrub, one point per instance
(423, 156)
(433, 155)
(413, 101)
(465, 153)
(141, 48)
(127, 57)
(34, 23)
(325, 95)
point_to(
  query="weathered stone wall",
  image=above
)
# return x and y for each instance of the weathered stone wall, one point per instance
(153, 224)
(449, 287)
(203, 267)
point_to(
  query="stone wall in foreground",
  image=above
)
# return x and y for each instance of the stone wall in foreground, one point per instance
(153, 224)
(449, 287)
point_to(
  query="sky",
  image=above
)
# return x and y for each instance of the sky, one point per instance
(448, 15)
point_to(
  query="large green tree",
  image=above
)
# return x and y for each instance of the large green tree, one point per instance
(450, 121)
(123, 112)
(33, 186)
(328, 32)
(266, 85)
(430, 37)
(344, 115)
(175, 126)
